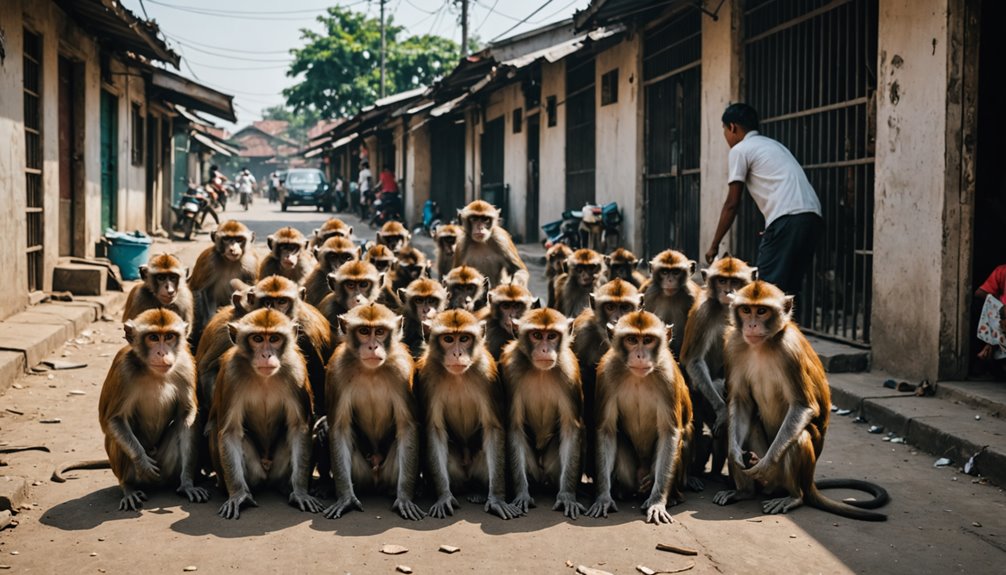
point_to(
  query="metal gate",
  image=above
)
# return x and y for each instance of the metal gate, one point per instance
(109, 160)
(447, 177)
(672, 78)
(811, 74)
(493, 188)
(580, 131)
(33, 159)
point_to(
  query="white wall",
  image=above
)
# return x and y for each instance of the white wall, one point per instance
(417, 180)
(552, 179)
(515, 160)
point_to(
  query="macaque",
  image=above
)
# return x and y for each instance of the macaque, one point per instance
(410, 265)
(336, 251)
(590, 342)
(573, 288)
(466, 289)
(288, 256)
(163, 286)
(555, 266)
(486, 246)
(546, 431)
(381, 257)
(507, 303)
(230, 257)
(670, 292)
(354, 283)
(621, 264)
(779, 404)
(394, 235)
(702, 354)
(261, 414)
(446, 238)
(147, 411)
(372, 429)
(462, 401)
(421, 301)
(331, 228)
(644, 418)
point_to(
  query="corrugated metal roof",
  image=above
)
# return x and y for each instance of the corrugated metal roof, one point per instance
(115, 25)
(601, 12)
(175, 88)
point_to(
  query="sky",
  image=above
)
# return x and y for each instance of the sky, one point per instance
(241, 47)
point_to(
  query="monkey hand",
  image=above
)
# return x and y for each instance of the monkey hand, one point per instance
(602, 505)
(132, 501)
(231, 509)
(342, 505)
(305, 501)
(656, 510)
(195, 494)
(320, 429)
(407, 509)
(759, 472)
(444, 506)
(146, 467)
(500, 507)
(570, 506)
(523, 502)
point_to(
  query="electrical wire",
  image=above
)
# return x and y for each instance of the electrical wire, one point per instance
(229, 56)
(526, 18)
(488, 14)
(236, 68)
(187, 41)
(423, 10)
(240, 13)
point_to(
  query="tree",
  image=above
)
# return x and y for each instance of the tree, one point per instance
(341, 67)
(300, 121)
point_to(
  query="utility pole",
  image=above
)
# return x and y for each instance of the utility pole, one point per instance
(383, 50)
(464, 28)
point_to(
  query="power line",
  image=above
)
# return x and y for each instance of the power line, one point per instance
(144, 8)
(202, 9)
(237, 68)
(488, 14)
(423, 10)
(526, 18)
(224, 48)
(229, 56)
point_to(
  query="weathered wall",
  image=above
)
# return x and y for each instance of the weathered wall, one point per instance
(129, 87)
(619, 151)
(552, 179)
(417, 180)
(721, 85)
(515, 161)
(908, 225)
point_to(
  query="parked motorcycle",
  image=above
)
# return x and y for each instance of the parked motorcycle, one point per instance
(431, 219)
(595, 227)
(386, 208)
(191, 212)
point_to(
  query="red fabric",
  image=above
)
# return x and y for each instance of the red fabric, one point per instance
(996, 283)
(388, 183)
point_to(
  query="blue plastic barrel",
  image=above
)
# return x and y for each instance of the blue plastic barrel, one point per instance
(128, 252)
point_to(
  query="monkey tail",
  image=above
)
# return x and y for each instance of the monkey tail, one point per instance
(850, 509)
(57, 474)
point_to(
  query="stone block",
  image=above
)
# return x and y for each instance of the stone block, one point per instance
(79, 279)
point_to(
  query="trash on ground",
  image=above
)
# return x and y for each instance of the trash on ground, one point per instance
(860, 419)
(191, 568)
(403, 568)
(51, 420)
(645, 570)
(14, 411)
(674, 549)
(394, 549)
(925, 389)
(569, 563)
(76, 392)
(60, 364)
(898, 440)
(584, 570)
(5, 519)
(943, 462)
(875, 429)
(978, 418)
(975, 524)
(969, 467)
(449, 549)
(843, 412)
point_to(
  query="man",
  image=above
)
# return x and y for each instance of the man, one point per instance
(782, 192)
(273, 187)
(364, 185)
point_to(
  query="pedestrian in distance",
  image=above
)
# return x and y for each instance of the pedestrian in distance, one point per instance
(783, 194)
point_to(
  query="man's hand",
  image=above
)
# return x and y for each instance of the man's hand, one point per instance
(711, 254)
(986, 353)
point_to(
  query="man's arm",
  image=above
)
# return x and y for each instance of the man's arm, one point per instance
(727, 215)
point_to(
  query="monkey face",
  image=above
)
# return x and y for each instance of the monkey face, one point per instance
(508, 312)
(333, 260)
(755, 322)
(165, 287)
(426, 307)
(282, 304)
(356, 291)
(371, 343)
(586, 274)
(288, 254)
(612, 311)
(161, 350)
(724, 287)
(670, 280)
(231, 247)
(395, 242)
(457, 349)
(481, 227)
(446, 244)
(462, 296)
(266, 351)
(640, 351)
(544, 345)
(382, 265)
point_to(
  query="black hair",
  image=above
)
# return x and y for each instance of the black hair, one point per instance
(364, 164)
(741, 114)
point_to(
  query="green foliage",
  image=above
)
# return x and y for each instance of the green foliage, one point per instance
(300, 120)
(340, 68)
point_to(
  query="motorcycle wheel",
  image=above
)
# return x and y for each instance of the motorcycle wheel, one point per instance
(187, 227)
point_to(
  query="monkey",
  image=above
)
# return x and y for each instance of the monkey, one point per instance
(332, 227)
(147, 411)
(410, 265)
(381, 256)
(507, 303)
(230, 257)
(354, 283)
(461, 398)
(543, 390)
(261, 413)
(622, 263)
(779, 404)
(163, 286)
(394, 235)
(288, 256)
(590, 342)
(372, 427)
(421, 301)
(336, 251)
(702, 355)
(445, 237)
(555, 262)
(466, 289)
(572, 289)
(486, 246)
(644, 418)
(670, 292)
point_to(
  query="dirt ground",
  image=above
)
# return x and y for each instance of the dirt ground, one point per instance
(941, 521)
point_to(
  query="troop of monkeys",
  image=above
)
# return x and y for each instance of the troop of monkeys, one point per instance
(356, 363)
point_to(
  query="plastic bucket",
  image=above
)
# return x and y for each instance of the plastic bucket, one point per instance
(128, 252)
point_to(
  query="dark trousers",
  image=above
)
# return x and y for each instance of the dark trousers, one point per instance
(786, 251)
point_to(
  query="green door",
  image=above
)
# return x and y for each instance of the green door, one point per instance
(109, 159)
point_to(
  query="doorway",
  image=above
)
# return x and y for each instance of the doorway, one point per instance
(580, 131)
(493, 188)
(109, 160)
(70, 128)
(447, 178)
(533, 172)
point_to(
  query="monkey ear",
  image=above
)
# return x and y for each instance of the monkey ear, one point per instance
(317, 252)
(401, 295)
(401, 325)
(427, 270)
(129, 331)
(250, 298)
(298, 330)
(704, 272)
(482, 328)
(269, 241)
(593, 301)
(350, 231)
(237, 298)
(316, 232)
(754, 274)
(489, 298)
(359, 252)
(536, 304)
(787, 304)
(251, 238)
(670, 332)
(369, 244)
(188, 272)
(302, 292)
(305, 245)
(610, 328)
(381, 278)
(232, 331)
(691, 268)
(213, 236)
(486, 285)
(427, 326)
(343, 325)
(639, 302)
(333, 284)
(461, 216)
(499, 213)
(607, 260)
(143, 272)
(725, 255)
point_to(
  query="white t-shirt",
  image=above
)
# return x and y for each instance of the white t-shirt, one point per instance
(774, 178)
(364, 180)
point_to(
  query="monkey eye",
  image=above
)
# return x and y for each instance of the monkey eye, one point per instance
(169, 337)
(536, 335)
(745, 309)
(761, 310)
(464, 338)
(552, 335)
(379, 332)
(364, 331)
(647, 340)
(609, 307)
(274, 338)
(349, 284)
(153, 337)
(628, 307)
(631, 340)
(258, 338)
(448, 339)
(363, 285)
(449, 240)
(723, 281)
